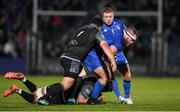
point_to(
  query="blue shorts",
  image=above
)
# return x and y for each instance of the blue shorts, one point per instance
(121, 59)
(92, 62)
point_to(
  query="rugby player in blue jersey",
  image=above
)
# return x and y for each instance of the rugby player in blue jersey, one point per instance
(117, 36)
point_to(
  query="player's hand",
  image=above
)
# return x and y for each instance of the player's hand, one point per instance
(101, 98)
(113, 66)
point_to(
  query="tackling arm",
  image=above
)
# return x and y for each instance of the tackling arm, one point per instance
(113, 49)
(109, 54)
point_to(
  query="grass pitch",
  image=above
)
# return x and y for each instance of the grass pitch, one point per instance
(148, 94)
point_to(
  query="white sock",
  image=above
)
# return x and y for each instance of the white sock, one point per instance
(24, 79)
(19, 91)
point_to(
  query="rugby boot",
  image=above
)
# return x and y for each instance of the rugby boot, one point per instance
(11, 90)
(14, 75)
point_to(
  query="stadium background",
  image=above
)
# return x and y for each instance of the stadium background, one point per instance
(33, 33)
(32, 36)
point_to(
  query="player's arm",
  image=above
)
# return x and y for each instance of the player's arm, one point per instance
(77, 85)
(104, 45)
(113, 49)
(84, 94)
(81, 100)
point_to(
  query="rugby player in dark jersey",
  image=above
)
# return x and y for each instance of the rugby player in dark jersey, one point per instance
(82, 94)
(81, 42)
(35, 93)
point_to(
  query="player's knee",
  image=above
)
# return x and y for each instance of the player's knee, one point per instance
(127, 77)
(67, 82)
(103, 80)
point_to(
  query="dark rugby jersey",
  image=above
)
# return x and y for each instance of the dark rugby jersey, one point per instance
(62, 98)
(83, 39)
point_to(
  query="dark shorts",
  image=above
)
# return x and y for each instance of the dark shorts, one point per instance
(57, 99)
(72, 67)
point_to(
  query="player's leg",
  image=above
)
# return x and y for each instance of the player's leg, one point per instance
(50, 90)
(15, 89)
(117, 90)
(101, 82)
(71, 71)
(20, 76)
(72, 68)
(76, 87)
(84, 75)
(93, 64)
(115, 84)
(84, 96)
(124, 69)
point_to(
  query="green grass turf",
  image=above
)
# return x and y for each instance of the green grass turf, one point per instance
(148, 94)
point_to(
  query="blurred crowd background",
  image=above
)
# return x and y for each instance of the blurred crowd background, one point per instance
(16, 20)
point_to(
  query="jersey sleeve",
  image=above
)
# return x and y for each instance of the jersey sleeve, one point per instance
(119, 41)
(100, 37)
(86, 91)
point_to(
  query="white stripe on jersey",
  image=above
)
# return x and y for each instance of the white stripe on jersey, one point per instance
(80, 33)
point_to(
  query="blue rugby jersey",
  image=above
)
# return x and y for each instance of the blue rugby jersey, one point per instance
(114, 33)
(114, 36)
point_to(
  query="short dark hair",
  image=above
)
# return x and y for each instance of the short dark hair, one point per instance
(97, 20)
(107, 10)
